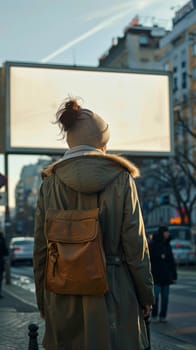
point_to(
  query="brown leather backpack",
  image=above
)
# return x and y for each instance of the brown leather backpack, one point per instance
(75, 258)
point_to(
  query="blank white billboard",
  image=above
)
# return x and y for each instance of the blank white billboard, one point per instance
(136, 105)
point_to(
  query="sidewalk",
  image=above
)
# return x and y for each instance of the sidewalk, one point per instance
(18, 310)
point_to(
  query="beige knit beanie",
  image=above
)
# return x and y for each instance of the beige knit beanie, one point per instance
(89, 129)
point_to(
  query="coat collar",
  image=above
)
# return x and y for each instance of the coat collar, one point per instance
(84, 150)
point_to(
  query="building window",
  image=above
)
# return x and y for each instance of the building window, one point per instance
(194, 49)
(194, 121)
(194, 96)
(143, 59)
(175, 84)
(143, 40)
(184, 85)
(194, 72)
(175, 69)
(183, 64)
(184, 99)
(164, 199)
(166, 66)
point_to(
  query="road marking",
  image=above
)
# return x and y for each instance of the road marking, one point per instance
(187, 347)
(178, 286)
(182, 314)
(187, 273)
(186, 330)
(179, 299)
(20, 298)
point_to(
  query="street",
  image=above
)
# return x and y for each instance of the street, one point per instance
(182, 308)
(18, 310)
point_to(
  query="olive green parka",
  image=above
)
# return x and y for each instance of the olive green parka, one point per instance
(114, 321)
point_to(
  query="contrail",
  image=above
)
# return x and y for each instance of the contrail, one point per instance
(86, 35)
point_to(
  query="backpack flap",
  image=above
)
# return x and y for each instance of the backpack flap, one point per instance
(71, 226)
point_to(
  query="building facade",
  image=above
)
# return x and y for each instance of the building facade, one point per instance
(154, 48)
(26, 193)
(178, 54)
(138, 48)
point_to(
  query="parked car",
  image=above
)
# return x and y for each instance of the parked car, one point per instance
(21, 249)
(183, 251)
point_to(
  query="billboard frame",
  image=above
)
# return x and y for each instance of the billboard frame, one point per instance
(59, 151)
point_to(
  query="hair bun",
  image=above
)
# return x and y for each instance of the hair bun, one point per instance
(72, 104)
(67, 114)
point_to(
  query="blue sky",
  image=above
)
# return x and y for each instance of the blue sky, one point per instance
(69, 32)
(32, 30)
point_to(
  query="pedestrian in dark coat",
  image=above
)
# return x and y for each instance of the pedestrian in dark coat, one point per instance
(163, 270)
(114, 321)
(3, 254)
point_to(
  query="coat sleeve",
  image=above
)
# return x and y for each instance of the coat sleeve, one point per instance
(135, 245)
(40, 250)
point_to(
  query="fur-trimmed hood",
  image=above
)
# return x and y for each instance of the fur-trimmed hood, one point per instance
(89, 170)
